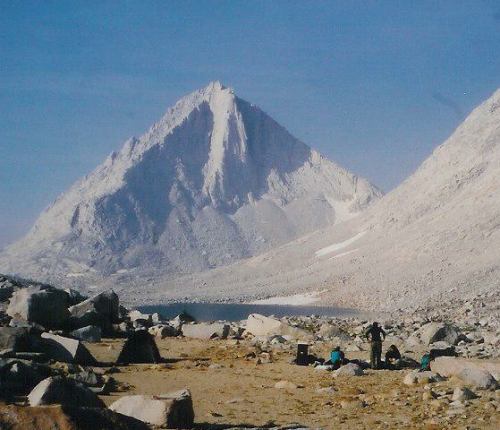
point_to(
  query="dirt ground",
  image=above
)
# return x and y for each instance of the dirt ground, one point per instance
(229, 388)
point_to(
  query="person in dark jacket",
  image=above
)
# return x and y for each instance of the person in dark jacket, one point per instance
(375, 334)
(392, 357)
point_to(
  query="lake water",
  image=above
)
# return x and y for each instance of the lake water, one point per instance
(237, 311)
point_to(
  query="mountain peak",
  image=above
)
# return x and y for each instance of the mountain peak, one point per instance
(214, 180)
(215, 86)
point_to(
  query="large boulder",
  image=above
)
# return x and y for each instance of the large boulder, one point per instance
(205, 331)
(19, 377)
(90, 333)
(435, 332)
(479, 378)
(46, 306)
(18, 339)
(101, 310)
(67, 350)
(53, 417)
(479, 373)
(65, 392)
(140, 347)
(172, 410)
(260, 325)
(452, 366)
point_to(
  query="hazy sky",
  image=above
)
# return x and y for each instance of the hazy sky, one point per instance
(374, 85)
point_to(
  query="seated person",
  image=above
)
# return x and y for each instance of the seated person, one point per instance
(392, 357)
(425, 362)
(337, 357)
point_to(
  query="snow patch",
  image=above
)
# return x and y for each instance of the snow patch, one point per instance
(295, 300)
(343, 254)
(340, 245)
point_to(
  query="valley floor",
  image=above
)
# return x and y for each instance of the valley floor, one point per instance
(230, 388)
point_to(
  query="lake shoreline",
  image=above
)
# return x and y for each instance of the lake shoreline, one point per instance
(206, 311)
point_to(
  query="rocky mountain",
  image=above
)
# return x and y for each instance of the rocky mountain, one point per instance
(214, 181)
(434, 238)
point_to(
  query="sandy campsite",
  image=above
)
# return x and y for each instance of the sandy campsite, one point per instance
(233, 387)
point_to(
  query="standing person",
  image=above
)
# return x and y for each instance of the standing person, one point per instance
(375, 334)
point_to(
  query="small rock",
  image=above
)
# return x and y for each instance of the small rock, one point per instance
(285, 385)
(89, 333)
(463, 393)
(350, 369)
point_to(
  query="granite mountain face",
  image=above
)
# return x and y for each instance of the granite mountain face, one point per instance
(214, 181)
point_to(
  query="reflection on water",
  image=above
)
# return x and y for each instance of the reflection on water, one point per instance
(237, 312)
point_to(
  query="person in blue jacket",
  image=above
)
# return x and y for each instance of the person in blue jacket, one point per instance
(337, 357)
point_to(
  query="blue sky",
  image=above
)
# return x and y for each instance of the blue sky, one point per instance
(374, 85)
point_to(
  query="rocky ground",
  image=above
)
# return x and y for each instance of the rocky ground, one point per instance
(71, 363)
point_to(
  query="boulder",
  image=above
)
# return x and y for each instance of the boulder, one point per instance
(52, 417)
(46, 306)
(140, 347)
(416, 377)
(461, 394)
(172, 410)
(478, 378)
(19, 377)
(451, 366)
(163, 331)
(101, 310)
(90, 333)
(18, 339)
(65, 392)
(260, 325)
(88, 378)
(6, 289)
(67, 350)
(350, 369)
(441, 349)
(435, 332)
(74, 297)
(136, 315)
(205, 331)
